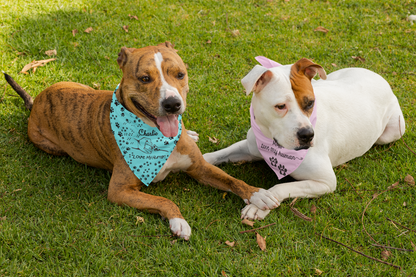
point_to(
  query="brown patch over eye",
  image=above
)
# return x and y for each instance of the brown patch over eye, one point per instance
(308, 103)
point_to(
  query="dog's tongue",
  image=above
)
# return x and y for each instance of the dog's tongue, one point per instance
(168, 125)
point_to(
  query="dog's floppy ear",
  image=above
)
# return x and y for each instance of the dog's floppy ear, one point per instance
(309, 68)
(256, 79)
(167, 44)
(123, 56)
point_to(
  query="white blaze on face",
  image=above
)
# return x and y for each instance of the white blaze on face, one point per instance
(168, 124)
(166, 90)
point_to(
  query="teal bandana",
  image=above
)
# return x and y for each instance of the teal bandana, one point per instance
(145, 149)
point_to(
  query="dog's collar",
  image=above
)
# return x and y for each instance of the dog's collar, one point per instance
(144, 148)
(281, 160)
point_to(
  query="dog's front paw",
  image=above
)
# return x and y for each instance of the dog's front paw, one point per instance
(253, 212)
(180, 228)
(194, 135)
(264, 200)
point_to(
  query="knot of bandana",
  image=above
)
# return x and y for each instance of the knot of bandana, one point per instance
(144, 148)
(281, 160)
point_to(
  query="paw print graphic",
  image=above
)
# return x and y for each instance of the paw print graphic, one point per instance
(119, 134)
(117, 125)
(175, 141)
(112, 109)
(273, 161)
(166, 142)
(122, 109)
(282, 169)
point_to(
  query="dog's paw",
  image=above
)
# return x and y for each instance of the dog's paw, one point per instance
(253, 212)
(194, 135)
(264, 200)
(180, 228)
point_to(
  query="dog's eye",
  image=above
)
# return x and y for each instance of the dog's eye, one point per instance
(280, 107)
(310, 104)
(180, 75)
(145, 79)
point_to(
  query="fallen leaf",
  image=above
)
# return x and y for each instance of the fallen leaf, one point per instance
(385, 254)
(3, 218)
(213, 140)
(248, 222)
(413, 245)
(235, 33)
(409, 179)
(321, 29)
(404, 204)
(313, 209)
(317, 271)
(139, 219)
(17, 190)
(393, 186)
(51, 52)
(133, 17)
(208, 41)
(88, 30)
(126, 28)
(223, 196)
(231, 244)
(334, 65)
(358, 58)
(96, 85)
(106, 57)
(33, 65)
(173, 242)
(186, 189)
(223, 273)
(261, 242)
(75, 31)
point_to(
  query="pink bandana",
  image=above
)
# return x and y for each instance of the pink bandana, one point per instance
(281, 160)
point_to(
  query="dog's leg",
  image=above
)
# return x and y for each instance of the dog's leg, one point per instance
(245, 150)
(215, 177)
(395, 127)
(318, 179)
(124, 189)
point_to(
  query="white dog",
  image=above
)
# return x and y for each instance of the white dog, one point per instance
(354, 109)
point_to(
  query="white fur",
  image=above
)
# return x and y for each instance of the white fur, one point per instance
(194, 135)
(356, 108)
(175, 162)
(166, 90)
(180, 228)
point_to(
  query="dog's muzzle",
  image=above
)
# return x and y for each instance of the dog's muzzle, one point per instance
(305, 136)
(172, 104)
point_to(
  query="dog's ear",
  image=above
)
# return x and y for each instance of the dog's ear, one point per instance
(167, 44)
(256, 79)
(123, 56)
(309, 68)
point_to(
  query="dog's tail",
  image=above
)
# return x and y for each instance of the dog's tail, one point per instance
(25, 96)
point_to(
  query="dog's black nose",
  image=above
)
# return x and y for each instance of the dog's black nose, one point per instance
(171, 104)
(305, 135)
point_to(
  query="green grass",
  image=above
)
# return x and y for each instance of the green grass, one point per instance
(56, 220)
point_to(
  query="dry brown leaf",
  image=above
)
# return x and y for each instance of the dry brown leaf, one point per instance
(17, 190)
(223, 273)
(317, 271)
(404, 204)
(248, 222)
(133, 17)
(413, 245)
(96, 85)
(358, 58)
(261, 242)
(35, 64)
(409, 179)
(313, 209)
(213, 140)
(229, 243)
(235, 33)
(75, 31)
(51, 52)
(139, 219)
(106, 57)
(385, 254)
(224, 194)
(334, 65)
(3, 218)
(321, 29)
(126, 28)
(208, 41)
(393, 186)
(173, 242)
(88, 30)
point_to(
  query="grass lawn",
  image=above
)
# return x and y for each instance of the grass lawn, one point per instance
(55, 219)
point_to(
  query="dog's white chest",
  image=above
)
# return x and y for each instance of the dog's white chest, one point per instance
(175, 162)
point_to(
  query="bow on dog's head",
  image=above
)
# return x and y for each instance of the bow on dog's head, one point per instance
(284, 101)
